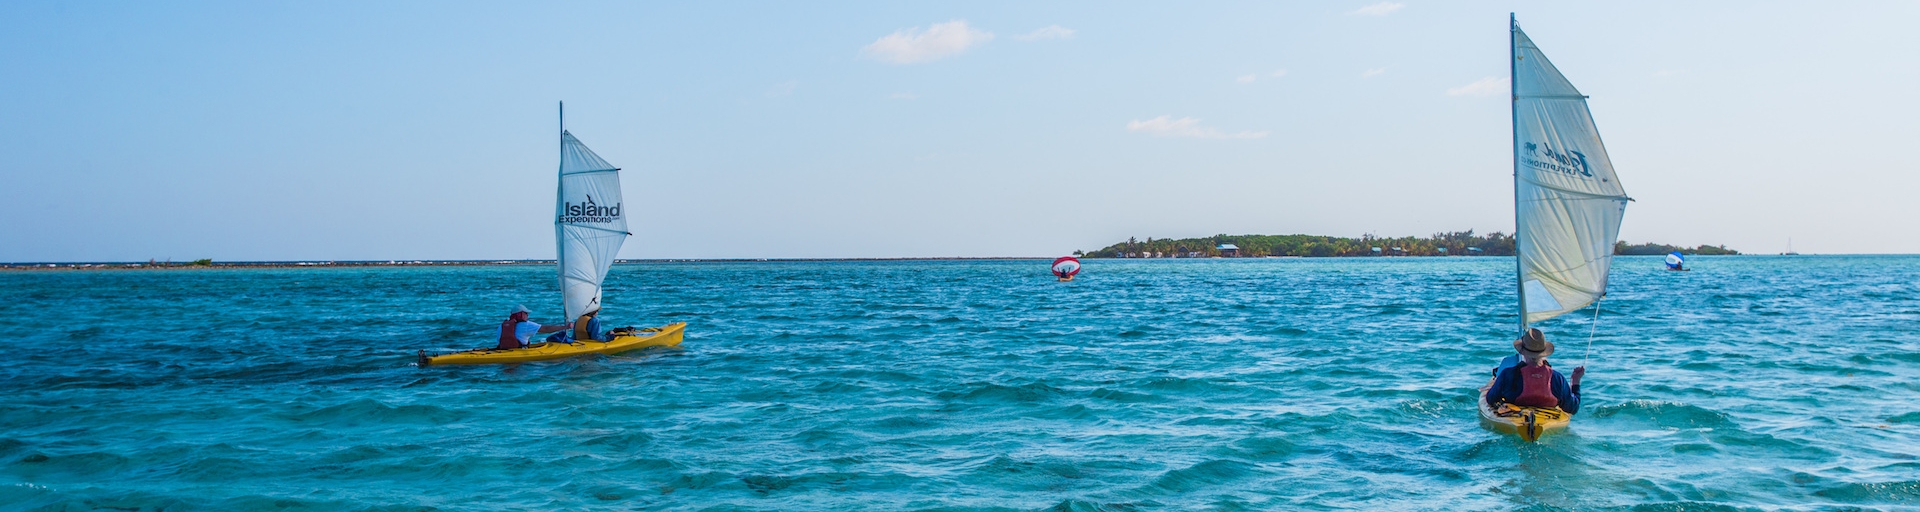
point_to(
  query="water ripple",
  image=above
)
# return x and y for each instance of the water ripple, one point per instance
(1751, 383)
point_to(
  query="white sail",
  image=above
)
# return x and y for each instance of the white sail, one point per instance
(1567, 201)
(589, 225)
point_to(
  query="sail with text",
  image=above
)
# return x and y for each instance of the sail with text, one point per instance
(589, 226)
(1567, 201)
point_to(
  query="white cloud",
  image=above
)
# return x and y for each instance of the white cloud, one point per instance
(1482, 87)
(903, 96)
(783, 88)
(1372, 72)
(1379, 9)
(1278, 73)
(1167, 126)
(1047, 32)
(1245, 79)
(939, 40)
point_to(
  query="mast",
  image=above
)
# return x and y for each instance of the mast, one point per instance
(559, 241)
(1513, 111)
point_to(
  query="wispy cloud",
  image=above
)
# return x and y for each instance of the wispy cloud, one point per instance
(1482, 87)
(1379, 9)
(783, 88)
(903, 96)
(1247, 79)
(1167, 126)
(1047, 32)
(1372, 72)
(940, 40)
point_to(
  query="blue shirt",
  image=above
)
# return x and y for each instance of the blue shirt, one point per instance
(1507, 386)
(522, 331)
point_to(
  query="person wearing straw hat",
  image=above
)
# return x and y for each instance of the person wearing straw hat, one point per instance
(516, 330)
(1534, 383)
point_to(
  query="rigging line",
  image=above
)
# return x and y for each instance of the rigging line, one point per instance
(584, 226)
(582, 279)
(1582, 195)
(1595, 329)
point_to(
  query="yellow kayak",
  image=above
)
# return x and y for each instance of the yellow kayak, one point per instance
(622, 341)
(1528, 422)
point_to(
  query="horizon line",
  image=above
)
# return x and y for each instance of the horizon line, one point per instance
(503, 262)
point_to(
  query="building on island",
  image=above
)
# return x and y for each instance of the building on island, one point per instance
(1228, 250)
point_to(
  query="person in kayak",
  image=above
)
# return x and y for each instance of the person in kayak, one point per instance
(1534, 383)
(587, 327)
(516, 330)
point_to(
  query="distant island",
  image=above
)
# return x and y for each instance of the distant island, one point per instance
(1459, 243)
(1462, 243)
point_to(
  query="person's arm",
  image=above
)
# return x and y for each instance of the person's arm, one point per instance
(1496, 394)
(1568, 395)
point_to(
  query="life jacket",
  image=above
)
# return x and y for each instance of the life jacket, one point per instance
(581, 328)
(1536, 387)
(507, 339)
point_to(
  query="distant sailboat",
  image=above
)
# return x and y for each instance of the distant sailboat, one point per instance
(589, 227)
(1567, 208)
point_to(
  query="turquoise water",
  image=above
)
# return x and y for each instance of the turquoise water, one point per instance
(1750, 383)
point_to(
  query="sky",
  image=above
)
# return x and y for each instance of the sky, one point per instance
(266, 131)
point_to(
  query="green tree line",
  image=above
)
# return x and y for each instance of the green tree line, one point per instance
(1455, 243)
(1626, 249)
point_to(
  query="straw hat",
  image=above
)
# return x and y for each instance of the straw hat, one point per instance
(1533, 344)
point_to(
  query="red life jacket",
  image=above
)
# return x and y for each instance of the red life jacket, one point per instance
(1536, 387)
(507, 339)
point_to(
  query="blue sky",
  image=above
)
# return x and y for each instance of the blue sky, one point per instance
(341, 130)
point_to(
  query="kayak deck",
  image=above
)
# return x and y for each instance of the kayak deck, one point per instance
(1528, 422)
(669, 335)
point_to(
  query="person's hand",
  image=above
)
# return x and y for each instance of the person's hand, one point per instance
(1577, 373)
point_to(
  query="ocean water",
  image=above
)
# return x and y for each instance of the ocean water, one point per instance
(1753, 382)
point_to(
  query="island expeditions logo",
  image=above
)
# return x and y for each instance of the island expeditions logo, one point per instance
(589, 213)
(1571, 163)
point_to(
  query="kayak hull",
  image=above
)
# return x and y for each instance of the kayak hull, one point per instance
(666, 336)
(1528, 422)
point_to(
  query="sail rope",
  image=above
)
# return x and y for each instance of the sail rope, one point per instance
(1594, 328)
